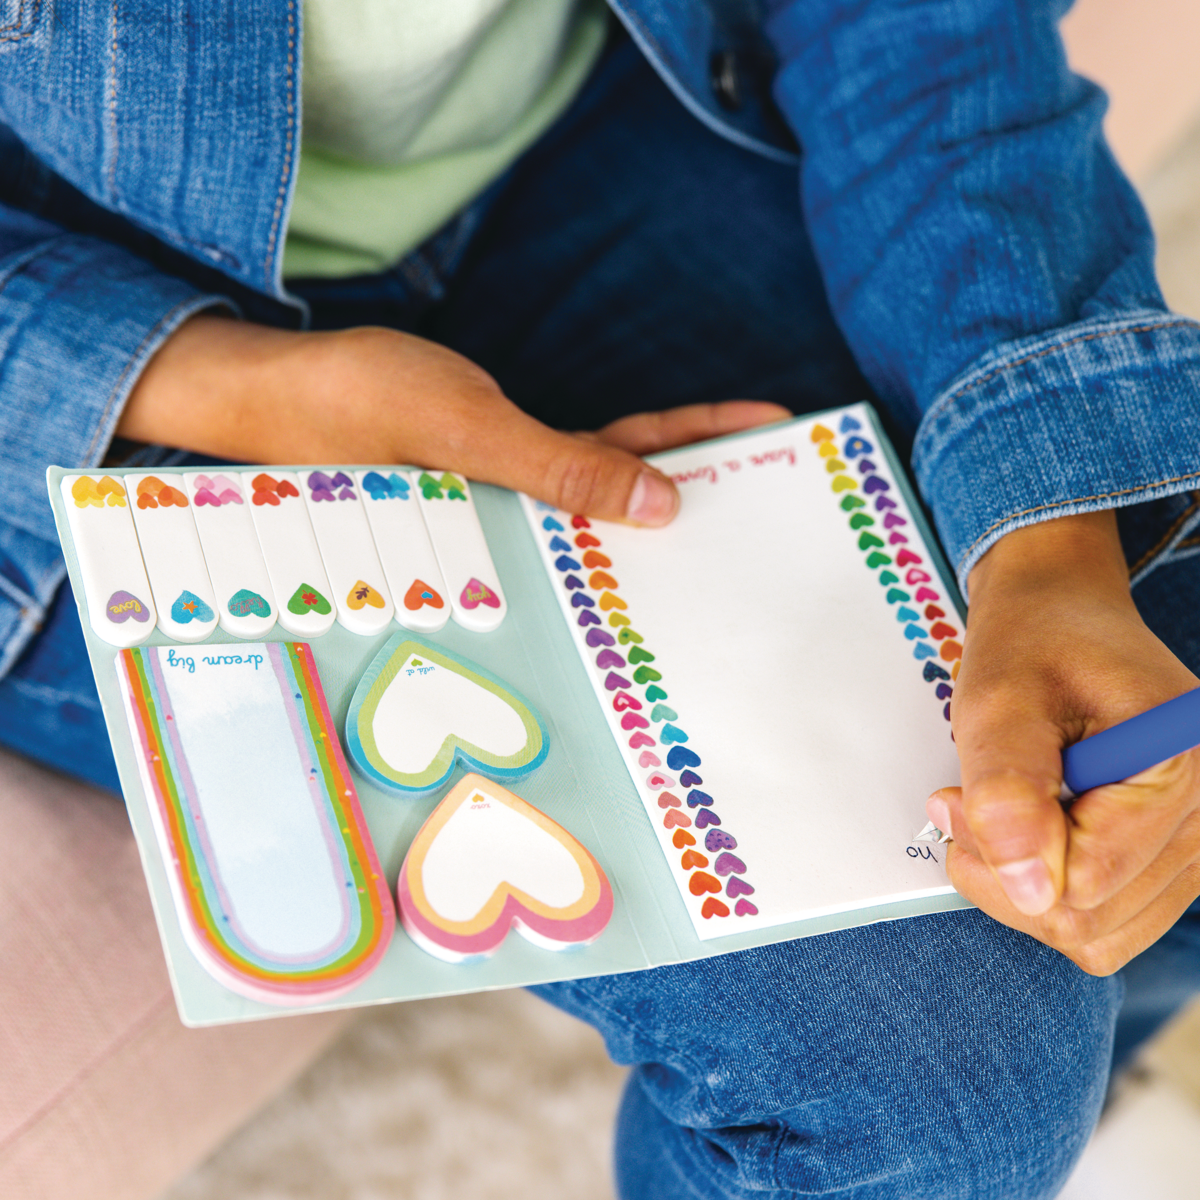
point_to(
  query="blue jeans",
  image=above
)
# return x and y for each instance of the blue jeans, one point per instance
(634, 260)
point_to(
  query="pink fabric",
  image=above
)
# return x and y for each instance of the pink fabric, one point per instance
(102, 1090)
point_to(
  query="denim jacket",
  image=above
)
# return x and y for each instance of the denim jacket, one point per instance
(987, 261)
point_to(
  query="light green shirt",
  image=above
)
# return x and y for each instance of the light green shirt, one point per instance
(412, 107)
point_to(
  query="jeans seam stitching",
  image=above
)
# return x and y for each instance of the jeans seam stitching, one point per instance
(281, 196)
(16, 37)
(1024, 512)
(951, 397)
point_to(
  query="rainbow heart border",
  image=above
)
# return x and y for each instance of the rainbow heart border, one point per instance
(892, 554)
(600, 595)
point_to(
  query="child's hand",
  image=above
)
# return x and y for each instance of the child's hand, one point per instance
(253, 394)
(1056, 651)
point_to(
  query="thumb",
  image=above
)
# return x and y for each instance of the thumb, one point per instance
(1012, 777)
(572, 473)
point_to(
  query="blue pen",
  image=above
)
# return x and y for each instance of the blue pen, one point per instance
(1134, 745)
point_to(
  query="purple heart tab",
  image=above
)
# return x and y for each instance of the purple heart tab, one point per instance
(718, 839)
(599, 637)
(125, 606)
(706, 817)
(609, 658)
(738, 887)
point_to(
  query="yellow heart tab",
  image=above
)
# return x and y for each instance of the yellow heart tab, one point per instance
(363, 593)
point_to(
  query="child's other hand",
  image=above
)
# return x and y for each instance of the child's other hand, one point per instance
(1056, 651)
(253, 394)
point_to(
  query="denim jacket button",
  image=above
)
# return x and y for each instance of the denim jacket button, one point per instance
(723, 75)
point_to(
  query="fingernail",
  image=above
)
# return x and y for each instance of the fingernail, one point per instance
(1028, 885)
(938, 811)
(653, 500)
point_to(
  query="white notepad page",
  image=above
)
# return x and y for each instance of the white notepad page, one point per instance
(794, 676)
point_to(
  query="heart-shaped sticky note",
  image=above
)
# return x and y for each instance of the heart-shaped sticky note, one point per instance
(942, 631)
(843, 483)
(696, 798)
(681, 838)
(717, 839)
(689, 779)
(609, 658)
(877, 559)
(487, 861)
(925, 593)
(661, 712)
(693, 858)
(668, 800)
(850, 502)
(599, 637)
(861, 520)
(702, 882)
(849, 424)
(657, 780)
(745, 909)
(712, 907)
(727, 862)
(616, 618)
(641, 739)
(584, 540)
(601, 579)
(675, 818)
(593, 558)
(581, 522)
(188, 607)
(85, 493)
(671, 733)
(560, 545)
(706, 817)
(906, 556)
(821, 434)
(306, 599)
(627, 635)
(623, 700)
(923, 650)
(737, 886)
(648, 758)
(933, 671)
(418, 708)
(654, 692)
(588, 618)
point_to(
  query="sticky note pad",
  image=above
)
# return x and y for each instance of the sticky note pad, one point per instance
(476, 599)
(360, 591)
(289, 548)
(276, 884)
(116, 592)
(183, 594)
(405, 550)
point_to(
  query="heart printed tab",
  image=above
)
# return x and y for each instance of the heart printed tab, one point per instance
(421, 594)
(125, 606)
(487, 861)
(362, 594)
(306, 599)
(188, 607)
(476, 593)
(418, 709)
(246, 603)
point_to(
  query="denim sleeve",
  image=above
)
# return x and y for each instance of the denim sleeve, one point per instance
(989, 264)
(79, 319)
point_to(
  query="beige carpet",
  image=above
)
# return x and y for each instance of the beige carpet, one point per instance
(488, 1097)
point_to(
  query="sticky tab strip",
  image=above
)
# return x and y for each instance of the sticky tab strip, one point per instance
(246, 604)
(405, 551)
(183, 593)
(476, 600)
(116, 591)
(289, 548)
(360, 592)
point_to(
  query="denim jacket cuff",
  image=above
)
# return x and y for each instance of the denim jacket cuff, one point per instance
(1101, 414)
(79, 320)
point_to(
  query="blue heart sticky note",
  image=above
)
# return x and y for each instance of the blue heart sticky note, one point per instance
(923, 650)
(588, 618)
(717, 839)
(696, 797)
(564, 562)
(706, 817)
(557, 543)
(689, 779)
(933, 671)
(856, 446)
(189, 607)
(669, 733)
(914, 631)
(907, 614)
(662, 712)
(551, 524)
(849, 424)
